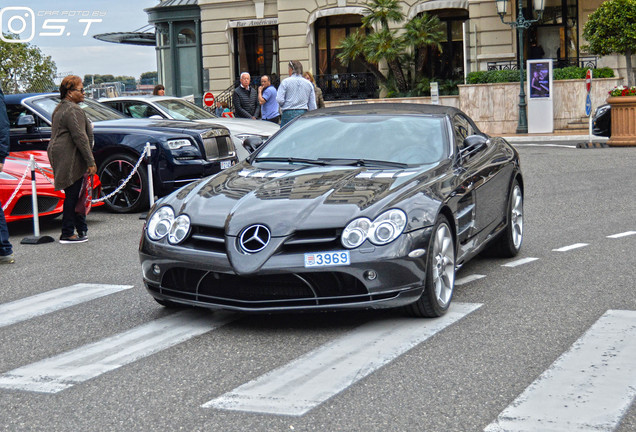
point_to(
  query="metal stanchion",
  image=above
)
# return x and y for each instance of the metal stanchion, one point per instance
(36, 238)
(151, 187)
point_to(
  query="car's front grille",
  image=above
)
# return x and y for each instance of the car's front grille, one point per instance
(206, 238)
(266, 291)
(218, 147)
(24, 206)
(312, 240)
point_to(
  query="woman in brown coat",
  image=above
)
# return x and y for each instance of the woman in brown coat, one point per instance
(320, 101)
(71, 155)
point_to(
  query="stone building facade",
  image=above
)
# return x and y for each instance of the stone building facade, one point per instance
(262, 36)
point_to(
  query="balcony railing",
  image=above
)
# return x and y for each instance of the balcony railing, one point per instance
(584, 62)
(348, 86)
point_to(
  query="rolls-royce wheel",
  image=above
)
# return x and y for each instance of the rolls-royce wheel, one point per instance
(439, 283)
(134, 196)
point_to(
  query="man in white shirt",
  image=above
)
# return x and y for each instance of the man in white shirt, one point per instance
(295, 95)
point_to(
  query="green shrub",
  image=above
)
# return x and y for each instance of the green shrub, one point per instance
(570, 72)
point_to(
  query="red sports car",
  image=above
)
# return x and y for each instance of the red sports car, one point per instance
(50, 201)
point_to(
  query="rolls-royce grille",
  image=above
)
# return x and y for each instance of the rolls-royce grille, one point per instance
(24, 206)
(218, 147)
(267, 291)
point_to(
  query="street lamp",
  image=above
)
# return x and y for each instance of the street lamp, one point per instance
(521, 24)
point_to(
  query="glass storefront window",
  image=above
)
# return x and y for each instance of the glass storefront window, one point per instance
(330, 31)
(256, 52)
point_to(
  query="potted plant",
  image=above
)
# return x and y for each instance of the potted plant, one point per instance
(622, 100)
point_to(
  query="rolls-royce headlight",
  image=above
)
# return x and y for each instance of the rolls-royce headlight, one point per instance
(176, 144)
(384, 229)
(160, 223)
(179, 230)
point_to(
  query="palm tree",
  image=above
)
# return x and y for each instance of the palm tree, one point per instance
(352, 48)
(382, 11)
(421, 32)
(385, 45)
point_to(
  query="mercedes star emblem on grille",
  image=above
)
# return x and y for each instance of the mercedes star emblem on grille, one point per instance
(254, 238)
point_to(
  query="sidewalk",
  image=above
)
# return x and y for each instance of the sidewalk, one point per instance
(554, 138)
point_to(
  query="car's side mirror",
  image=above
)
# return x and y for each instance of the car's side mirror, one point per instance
(26, 120)
(473, 144)
(252, 143)
(156, 117)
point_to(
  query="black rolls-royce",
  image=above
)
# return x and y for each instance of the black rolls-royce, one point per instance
(183, 151)
(363, 206)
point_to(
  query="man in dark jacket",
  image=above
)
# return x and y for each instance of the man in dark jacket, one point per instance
(6, 250)
(245, 99)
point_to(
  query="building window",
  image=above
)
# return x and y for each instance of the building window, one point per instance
(330, 31)
(449, 62)
(256, 52)
(557, 31)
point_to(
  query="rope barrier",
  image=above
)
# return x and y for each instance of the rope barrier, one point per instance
(104, 198)
(15, 192)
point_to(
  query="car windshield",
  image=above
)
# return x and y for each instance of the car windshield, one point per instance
(182, 110)
(94, 110)
(359, 140)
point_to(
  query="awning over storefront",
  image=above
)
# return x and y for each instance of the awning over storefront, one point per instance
(435, 5)
(130, 38)
(347, 10)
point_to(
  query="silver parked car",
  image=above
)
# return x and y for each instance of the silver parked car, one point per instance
(170, 107)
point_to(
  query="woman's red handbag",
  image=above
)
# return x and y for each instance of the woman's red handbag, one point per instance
(84, 203)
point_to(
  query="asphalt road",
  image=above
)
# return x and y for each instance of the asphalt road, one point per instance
(509, 326)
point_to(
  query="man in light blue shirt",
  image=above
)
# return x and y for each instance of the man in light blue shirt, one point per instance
(267, 99)
(295, 95)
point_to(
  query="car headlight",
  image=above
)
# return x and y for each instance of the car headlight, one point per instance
(243, 137)
(163, 223)
(160, 223)
(382, 230)
(176, 144)
(179, 230)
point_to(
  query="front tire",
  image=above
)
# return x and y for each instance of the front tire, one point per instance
(439, 283)
(134, 196)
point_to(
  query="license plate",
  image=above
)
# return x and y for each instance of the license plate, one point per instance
(226, 164)
(323, 259)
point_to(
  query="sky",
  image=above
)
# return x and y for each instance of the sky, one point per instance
(56, 29)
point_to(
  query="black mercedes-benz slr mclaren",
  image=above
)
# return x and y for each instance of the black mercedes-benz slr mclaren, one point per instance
(363, 206)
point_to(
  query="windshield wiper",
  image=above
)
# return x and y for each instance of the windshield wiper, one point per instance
(365, 163)
(291, 160)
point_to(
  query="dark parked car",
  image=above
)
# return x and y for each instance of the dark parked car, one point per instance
(602, 121)
(185, 151)
(363, 206)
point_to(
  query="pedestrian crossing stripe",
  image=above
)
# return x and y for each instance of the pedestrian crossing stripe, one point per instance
(54, 300)
(303, 384)
(63, 371)
(590, 387)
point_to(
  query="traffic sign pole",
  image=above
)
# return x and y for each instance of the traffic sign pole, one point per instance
(588, 100)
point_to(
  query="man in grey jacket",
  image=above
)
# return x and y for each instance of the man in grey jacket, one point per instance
(6, 250)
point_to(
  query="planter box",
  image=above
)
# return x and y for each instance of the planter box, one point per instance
(623, 121)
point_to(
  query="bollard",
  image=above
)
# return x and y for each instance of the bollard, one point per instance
(36, 238)
(151, 187)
